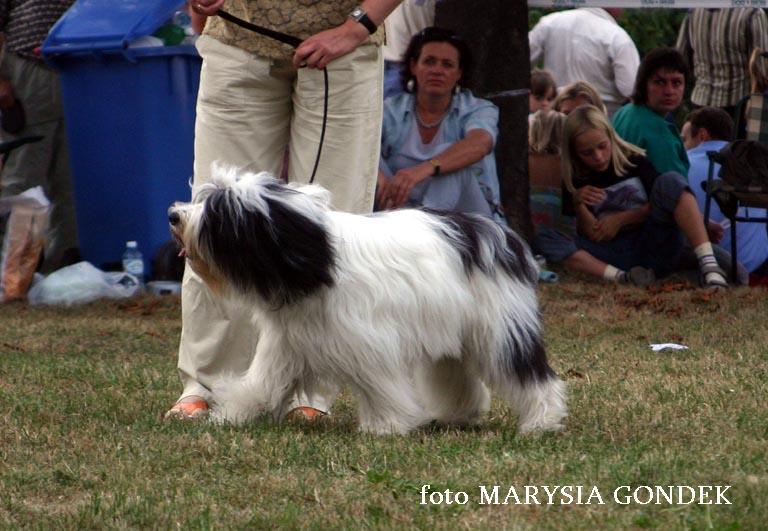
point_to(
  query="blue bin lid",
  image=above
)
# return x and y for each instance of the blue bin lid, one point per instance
(107, 25)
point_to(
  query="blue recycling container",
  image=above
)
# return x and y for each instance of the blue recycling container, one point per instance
(130, 115)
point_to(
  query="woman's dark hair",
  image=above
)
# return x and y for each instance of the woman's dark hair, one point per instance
(435, 34)
(657, 59)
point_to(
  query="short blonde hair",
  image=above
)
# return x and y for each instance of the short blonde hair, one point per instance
(579, 89)
(758, 71)
(545, 132)
(578, 122)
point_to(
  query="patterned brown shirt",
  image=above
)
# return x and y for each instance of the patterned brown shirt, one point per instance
(300, 18)
(26, 23)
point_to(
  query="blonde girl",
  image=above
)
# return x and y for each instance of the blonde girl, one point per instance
(631, 220)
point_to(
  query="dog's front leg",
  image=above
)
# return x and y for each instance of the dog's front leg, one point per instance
(266, 387)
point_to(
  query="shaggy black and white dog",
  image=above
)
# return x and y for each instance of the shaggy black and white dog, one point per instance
(418, 312)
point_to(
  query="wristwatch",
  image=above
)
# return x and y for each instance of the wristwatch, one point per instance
(436, 165)
(359, 15)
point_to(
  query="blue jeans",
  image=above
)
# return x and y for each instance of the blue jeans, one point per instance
(657, 244)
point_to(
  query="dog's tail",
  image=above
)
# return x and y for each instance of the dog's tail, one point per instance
(530, 384)
(505, 282)
(505, 279)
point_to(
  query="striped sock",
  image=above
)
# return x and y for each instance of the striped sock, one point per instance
(708, 265)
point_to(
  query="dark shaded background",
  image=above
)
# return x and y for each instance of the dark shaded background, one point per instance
(497, 33)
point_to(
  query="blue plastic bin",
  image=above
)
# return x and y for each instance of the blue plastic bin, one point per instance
(130, 115)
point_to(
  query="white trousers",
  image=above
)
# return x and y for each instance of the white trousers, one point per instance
(249, 110)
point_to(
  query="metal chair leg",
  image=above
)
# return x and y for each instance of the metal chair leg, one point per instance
(734, 261)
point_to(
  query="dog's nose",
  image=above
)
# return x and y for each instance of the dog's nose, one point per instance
(173, 217)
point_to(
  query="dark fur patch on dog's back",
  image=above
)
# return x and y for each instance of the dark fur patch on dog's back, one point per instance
(283, 256)
(466, 233)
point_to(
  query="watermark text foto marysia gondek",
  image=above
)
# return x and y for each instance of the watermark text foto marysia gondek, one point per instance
(578, 495)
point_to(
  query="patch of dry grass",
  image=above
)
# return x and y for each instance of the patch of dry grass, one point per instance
(82, 444)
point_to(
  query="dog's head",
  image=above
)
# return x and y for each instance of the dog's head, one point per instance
(251, 234)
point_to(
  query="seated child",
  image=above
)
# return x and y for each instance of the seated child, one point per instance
(543, 90)
(577, 94)
(631, 221)
(545, 174)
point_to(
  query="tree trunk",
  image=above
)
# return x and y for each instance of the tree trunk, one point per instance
(497, 34)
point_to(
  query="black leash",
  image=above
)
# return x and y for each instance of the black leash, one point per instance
(291, 41)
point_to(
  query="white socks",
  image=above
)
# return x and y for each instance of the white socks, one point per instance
(614, 273)
(639, 276)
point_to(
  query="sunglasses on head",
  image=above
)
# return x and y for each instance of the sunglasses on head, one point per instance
(440, 33)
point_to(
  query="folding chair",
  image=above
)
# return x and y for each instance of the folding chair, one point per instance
(735, 193)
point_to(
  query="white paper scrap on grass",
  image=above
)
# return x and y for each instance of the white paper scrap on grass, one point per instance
(655, 4)
(656, 347)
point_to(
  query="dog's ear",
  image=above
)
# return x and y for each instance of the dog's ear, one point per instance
(319, 195)
(264, 241)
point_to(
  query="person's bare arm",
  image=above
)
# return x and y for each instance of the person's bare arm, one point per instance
(473, 147)
(322, 48)
(585, 220)
(608, 226)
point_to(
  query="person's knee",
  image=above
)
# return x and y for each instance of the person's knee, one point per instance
(555, 246)
(668, 187)
(665, 195)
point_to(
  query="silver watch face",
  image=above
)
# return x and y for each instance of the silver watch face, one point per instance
(357, 13)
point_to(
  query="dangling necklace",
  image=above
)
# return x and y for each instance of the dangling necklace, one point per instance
(426, 125)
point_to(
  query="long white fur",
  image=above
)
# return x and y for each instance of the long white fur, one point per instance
(404, 326)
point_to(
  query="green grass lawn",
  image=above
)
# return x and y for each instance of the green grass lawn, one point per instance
(82, 443)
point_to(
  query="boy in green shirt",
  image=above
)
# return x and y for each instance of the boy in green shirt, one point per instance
(659, 90)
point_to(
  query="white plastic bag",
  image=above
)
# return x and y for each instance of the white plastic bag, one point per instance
(80, 283)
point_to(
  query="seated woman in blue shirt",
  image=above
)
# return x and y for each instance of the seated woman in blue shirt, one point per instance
(437, 138)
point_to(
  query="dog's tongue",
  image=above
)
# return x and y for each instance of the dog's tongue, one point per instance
(183, 252)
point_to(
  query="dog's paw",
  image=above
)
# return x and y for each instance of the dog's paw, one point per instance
(235, 401)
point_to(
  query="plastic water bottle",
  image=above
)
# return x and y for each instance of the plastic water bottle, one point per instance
(182, 19)
(133, 261)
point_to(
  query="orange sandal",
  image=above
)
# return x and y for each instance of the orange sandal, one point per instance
(307, 413)
(188, 410)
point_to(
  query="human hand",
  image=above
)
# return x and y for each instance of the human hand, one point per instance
(381, 183)
(396, 191)
(607, 227)
(322, 48)
(589, 195)
(6, 94)
(715, 231)
(206, 7)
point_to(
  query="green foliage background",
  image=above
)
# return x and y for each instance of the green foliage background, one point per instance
(649, 28)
